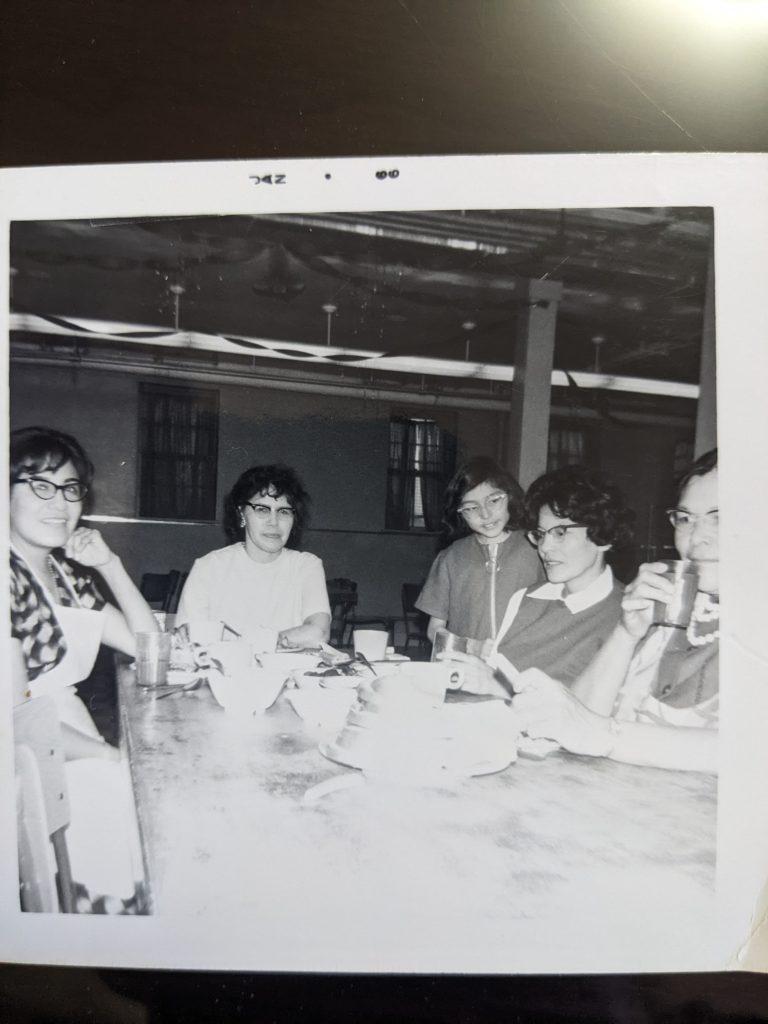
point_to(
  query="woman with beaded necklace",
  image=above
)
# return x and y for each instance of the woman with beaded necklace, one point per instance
(650, 695)
(673, 674)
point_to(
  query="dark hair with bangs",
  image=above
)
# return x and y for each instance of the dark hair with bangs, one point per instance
(43, 450)
(586, 497)
(479, 470)
(277, 481)
(703, 465)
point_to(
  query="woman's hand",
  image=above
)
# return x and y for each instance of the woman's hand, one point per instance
(89, 548)
(477, 676)
(546, 709)
(637, 603)
(306, 635)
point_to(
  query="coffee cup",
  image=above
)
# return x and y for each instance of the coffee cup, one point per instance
(371, 643)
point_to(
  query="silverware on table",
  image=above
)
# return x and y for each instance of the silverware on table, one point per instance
(182, 689)
(361, 657)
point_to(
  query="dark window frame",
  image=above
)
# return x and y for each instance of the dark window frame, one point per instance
(418, 471)
(578, 428)
(178, 444)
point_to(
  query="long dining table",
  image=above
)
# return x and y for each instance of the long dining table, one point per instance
(574, 856)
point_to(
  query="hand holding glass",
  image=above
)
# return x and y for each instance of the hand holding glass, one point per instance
(685, 580)
(446, 643)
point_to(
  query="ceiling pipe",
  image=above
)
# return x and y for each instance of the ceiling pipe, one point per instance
(349, 390)
(132, 334)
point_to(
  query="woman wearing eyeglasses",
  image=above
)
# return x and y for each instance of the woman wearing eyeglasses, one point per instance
(260, 581)
(59, 618)
(58, 621)
(576, 518)
(650, 695)
(558, 627)
(471, 582)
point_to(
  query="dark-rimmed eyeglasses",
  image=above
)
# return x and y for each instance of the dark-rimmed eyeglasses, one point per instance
(557, 533)
(46, 489)
(265, 511)
(682, 520)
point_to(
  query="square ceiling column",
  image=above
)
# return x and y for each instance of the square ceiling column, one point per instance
(531, 395)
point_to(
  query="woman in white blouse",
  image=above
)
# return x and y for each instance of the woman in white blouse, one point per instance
(260, 581)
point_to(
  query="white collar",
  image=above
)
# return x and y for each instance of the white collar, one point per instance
(598, 590)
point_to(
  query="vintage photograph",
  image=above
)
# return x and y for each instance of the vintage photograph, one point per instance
(326, 534)
(365, 585)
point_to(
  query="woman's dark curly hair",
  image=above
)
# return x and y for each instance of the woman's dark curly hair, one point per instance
(276, 481)
(43, 450)
(586, 497)
(479, 470)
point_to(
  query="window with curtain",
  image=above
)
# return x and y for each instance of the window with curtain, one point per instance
(422, 459)
(566, 447)
(178, 449)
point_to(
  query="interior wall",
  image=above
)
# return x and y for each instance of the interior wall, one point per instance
(338, 446)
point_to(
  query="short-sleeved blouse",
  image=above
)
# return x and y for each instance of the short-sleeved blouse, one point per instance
(458, 587)
(227, 585)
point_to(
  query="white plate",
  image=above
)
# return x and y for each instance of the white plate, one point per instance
(487, 767)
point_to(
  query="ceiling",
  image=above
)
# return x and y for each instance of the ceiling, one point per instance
(415, 283)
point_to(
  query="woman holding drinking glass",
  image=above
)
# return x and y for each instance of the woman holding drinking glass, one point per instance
(650, 695)
(260, 581)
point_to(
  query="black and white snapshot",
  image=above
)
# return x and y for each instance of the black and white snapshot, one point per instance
(364, 576)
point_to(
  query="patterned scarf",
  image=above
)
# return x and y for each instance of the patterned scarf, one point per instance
(33, 617)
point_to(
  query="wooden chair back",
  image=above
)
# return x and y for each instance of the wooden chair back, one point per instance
(163, 590)
(414, 621)
(342, 595)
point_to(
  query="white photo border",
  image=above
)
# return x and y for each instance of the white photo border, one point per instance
(736, 187)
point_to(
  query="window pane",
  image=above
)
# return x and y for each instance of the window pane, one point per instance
(422, 461)
(178, 447)
(566, 447)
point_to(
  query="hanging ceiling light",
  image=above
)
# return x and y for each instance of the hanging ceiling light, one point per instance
(468, 325)
(597, 341)
(177, 290)
(329, 309)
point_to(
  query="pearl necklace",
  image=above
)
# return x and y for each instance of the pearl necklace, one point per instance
(704, 610)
